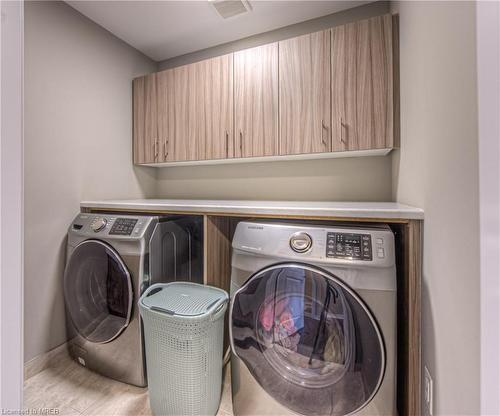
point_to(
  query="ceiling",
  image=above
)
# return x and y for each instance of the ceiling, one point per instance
(165, 29)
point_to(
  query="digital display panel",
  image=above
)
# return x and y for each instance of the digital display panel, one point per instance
(123, 226)
(349, 246)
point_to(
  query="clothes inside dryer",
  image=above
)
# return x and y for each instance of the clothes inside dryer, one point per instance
(308, 340)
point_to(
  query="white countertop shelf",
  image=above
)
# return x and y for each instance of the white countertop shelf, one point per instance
(304, 156)
(375, 210)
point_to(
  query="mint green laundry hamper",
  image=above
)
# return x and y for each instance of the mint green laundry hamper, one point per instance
(184, 333)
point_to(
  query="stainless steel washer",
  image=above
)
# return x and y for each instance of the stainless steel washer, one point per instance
(111, 260)
(313, 320)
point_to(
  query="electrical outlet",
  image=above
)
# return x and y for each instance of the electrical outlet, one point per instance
(428, 392)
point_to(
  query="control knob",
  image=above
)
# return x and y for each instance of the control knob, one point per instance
(300, 242)
(98, 224)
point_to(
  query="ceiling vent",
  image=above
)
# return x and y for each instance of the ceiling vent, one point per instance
(231, 8)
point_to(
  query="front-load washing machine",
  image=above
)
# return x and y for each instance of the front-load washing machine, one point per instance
(313, 320)
(111, 260)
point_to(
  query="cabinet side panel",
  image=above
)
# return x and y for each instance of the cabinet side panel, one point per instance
(411, 318)
(138, 119)
(151, 150)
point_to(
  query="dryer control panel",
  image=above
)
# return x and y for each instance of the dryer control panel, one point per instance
(348, 245)
(123, 226)
(116, 226)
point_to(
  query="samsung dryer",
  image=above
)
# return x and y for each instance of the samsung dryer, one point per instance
(111, 260)
(313, 320)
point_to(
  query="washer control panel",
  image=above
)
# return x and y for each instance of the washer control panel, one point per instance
(349, 246)
(123, 226)
(371, 245)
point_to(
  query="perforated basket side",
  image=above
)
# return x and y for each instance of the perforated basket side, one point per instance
(184, 363)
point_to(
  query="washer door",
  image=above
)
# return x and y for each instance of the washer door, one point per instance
(97, 291)
(308, 340)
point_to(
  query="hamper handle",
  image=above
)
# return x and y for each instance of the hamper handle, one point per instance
(219, 310)
(160, 309)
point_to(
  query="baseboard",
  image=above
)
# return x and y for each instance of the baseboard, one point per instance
(45, 360)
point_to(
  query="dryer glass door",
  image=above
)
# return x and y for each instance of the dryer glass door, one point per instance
(308, 340)
(97, 291)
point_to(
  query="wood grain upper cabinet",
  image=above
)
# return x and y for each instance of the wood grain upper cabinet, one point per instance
(304, 94)
(166, 118)
(145, 120)
(362, 85)
(199, 110)
(212, 89)
(182, 114)
(256, 101)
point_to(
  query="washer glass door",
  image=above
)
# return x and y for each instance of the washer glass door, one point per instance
(308, 340)
(97, 291)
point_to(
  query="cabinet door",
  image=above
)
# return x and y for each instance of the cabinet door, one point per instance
(304, 93)
(166, 117)
(256, 101)
(213, 106)
(362, 85)
(183, 116)
(201, 115)
(145, 120)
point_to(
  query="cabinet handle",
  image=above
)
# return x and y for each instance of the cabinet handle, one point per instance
(165, 151)
(155, 149)
(342, 125)
(323, 128)
(241, 143)
(227, 144)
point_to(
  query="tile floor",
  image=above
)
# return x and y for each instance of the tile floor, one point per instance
(71, 390)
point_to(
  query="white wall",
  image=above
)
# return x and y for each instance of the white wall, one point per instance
(361, 179)
(437, 170)
(11, 206)
(78, 145)
(488, 66)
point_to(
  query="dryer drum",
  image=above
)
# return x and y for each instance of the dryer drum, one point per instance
(308, 340)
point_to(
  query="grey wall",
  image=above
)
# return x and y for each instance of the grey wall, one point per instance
(78, 141)
(437, 170)
(362, 179)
